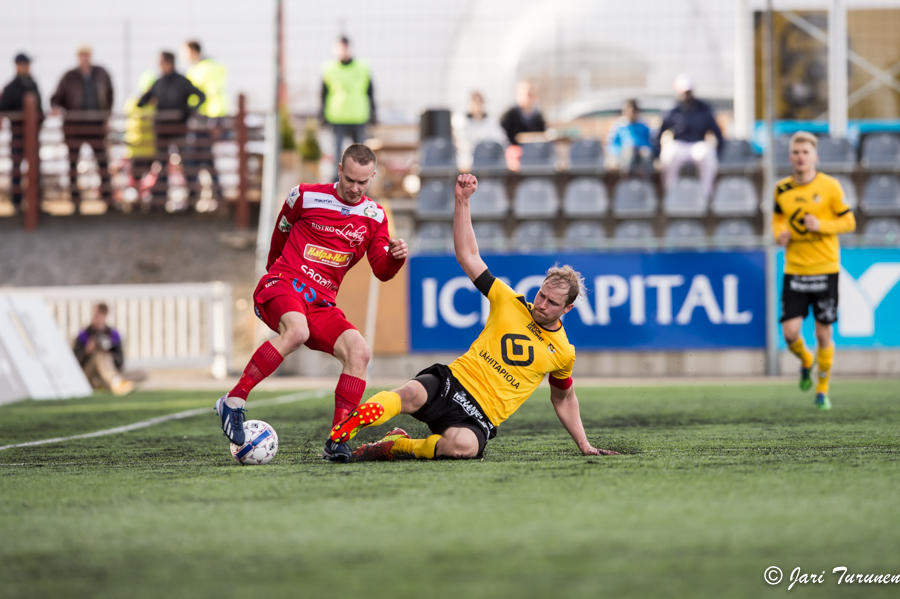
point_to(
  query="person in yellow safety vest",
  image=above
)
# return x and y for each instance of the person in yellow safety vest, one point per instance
(211, 78)
(348, 98)
(140, 138)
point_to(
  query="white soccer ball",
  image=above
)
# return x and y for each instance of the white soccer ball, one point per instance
(261, 444)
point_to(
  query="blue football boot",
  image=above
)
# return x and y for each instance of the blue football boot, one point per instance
(232, 421)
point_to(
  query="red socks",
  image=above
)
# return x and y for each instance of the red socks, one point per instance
(347, 396)
(263, 363)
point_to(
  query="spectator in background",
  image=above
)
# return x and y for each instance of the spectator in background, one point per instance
(13, 100)
(524, 117)
(473, 127)
(88, 88)
(139, 135)
(689, 122)
(98, 349)
(348, 98)
(211, 78)
(629, 142)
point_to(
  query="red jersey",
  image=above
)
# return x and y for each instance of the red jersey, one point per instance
(318, 238)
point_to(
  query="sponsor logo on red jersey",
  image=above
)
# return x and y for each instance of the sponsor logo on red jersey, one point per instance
(355, 235)
(317, 253)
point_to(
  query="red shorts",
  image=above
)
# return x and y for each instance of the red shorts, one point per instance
(326, 321)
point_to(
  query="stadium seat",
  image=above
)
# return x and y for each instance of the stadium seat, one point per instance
(882, 195)
(490, 236)
(489, 158)
(536, 236)
(536, 198)
(685, 233)
(783, 153)
(685, 198)
(634, 198)
(585, 197)
(734, 196)
(881, 151)
(538, 158)
(634, 233)
(586, 157)
(489, 200)
(434, 238)
(435, 200)
(850, 195)
(584, 235)
(737, 156)
(437, 157)
(882, 231)
(734, 231)
(836, 155)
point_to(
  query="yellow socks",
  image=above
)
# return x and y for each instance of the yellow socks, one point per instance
(826, 357)
(390, 401)
(798, 348)
(419, 448)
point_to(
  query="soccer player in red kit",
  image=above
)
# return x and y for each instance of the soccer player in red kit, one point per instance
(321, 232)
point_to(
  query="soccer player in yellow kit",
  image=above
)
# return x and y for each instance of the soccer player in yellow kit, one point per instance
(809, 214)
(465, 402)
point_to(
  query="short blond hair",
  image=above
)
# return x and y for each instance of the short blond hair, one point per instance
(566, 277)
(804, 136)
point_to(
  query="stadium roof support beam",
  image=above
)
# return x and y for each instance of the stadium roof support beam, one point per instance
(744, 96)
(837, 68)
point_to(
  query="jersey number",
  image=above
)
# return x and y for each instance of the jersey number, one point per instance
(510, 346)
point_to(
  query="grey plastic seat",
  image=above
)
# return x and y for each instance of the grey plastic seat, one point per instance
(435, 200)
(882, 195)
(634, 198)
(880, 151)
(685, 233)
(434, 238)
(538, 158)
(534, 236)
(783, 153)
(489, 200)
(489, 158)
(585, 197)
(734, 196)
(586, 156)
(437, 157)
(737, 155)
(836, 154)
(851, 198)
(584, 235)
(634, 233)
(734, 231)
(882, 231)
(685, 198)
(536, 198)
(490, 236)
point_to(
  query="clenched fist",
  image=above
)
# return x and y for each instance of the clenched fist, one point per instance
(465, 186)
(398, 249)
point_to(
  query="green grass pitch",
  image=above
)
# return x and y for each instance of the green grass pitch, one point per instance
(716, 483)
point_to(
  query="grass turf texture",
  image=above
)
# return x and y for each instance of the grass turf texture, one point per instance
(717, 483)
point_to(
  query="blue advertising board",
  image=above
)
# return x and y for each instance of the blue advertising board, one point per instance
(635, 301)
(868, 299)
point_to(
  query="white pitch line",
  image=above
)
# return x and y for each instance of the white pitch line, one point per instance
(282, 399)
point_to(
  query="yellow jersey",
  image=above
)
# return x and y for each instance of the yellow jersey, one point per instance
(512, 354)
(812, 253)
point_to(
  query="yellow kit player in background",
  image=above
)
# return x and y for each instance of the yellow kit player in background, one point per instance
(809, 214)
(463, 403)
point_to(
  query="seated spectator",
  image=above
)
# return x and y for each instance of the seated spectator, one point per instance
(524, 117)
(473, 127)
(628, 142)
(689, 122)
(98, 349)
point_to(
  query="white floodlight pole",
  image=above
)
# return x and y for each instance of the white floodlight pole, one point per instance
(744, 96)
(837, 68)
(768, 185)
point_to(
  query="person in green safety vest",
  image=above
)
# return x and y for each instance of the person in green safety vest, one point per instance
(210, 77)
(348, 98)
(140, 138)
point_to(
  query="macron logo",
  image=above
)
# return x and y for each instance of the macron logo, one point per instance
(860, 297)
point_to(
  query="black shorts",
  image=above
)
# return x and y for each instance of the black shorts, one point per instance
(450, 405)
(800, 292)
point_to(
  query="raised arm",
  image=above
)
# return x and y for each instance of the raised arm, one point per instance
(463, 234)
(566, 405)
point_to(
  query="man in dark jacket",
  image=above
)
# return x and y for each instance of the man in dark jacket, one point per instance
(689, 122)
(98, 349)
(86, 89)
(524, 117)
(13, 100)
